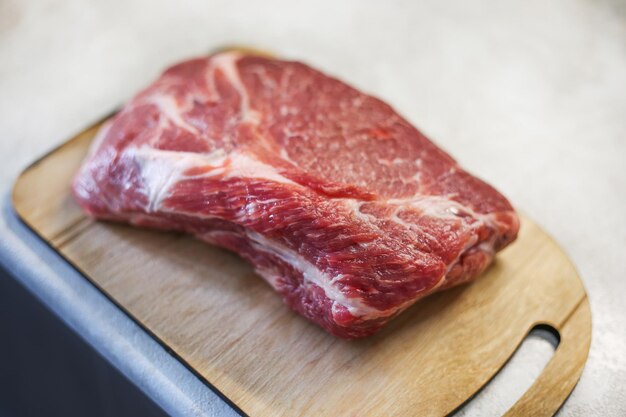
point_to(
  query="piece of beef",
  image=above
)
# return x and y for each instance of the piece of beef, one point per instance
(347, 210)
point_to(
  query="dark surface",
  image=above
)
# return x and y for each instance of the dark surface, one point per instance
(47, 370)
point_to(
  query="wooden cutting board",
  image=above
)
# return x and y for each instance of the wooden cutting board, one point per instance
(224, 322)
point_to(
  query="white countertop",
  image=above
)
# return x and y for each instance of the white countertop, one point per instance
(530, 95)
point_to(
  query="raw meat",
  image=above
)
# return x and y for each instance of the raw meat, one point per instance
(341, 205)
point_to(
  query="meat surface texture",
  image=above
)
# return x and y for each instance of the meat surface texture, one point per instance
(341, 205)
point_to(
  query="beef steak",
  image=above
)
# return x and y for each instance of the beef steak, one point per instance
(340, 204)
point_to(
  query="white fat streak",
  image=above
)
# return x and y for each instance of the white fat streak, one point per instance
(470, 242)
(243, 166)
(396, 218)
(213, 236)
(313, 274)
(355, 206)
(161, 169)
(171, 110)
(442, 208)
(487, 247)
(227, 63)
(446, 208)
(439, 206)
(432, 206)
(285, 156)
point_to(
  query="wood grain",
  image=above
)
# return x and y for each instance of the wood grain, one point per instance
(209, 307)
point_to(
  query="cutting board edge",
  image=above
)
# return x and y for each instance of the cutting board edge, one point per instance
(24, 219)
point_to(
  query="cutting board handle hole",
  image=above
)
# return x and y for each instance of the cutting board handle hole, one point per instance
(547, 332)
(516, 376)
